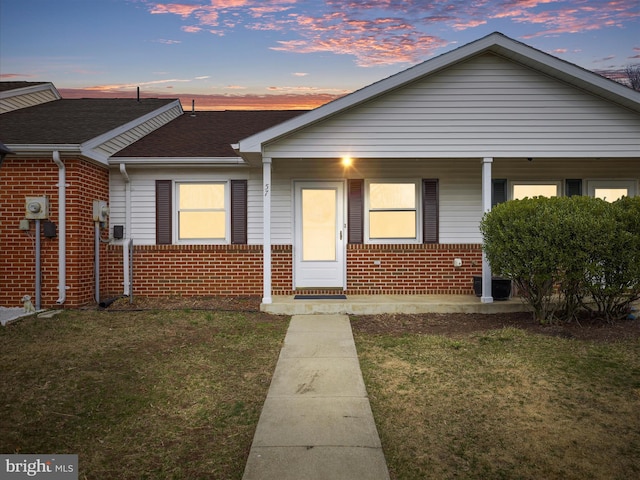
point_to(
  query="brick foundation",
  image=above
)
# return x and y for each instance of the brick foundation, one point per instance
(234, 270)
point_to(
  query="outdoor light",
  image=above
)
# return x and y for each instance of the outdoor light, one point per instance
(346, 161)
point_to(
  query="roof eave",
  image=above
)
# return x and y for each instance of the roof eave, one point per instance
(31, 89)
(178, 161)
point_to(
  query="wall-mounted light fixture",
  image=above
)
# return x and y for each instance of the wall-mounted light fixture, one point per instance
(346, 161)
(530, 159)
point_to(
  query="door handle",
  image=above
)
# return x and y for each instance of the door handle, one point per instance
(340, 234)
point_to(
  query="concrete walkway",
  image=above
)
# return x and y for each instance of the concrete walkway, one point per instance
(316, 423)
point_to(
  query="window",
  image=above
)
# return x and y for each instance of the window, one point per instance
(392, 211)
(520, 190)
(212, 212)
(611, 190)
(201, 211)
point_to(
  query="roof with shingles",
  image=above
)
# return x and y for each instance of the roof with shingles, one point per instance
(208, 134)
(72, 121)
(8, 86)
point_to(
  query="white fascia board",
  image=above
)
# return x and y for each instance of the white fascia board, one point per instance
(105, 137)
(495, 42)
(25, 148)
(178, 161)
(31, 89)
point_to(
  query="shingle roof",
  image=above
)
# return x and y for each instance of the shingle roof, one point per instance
(207, 134)
(7, 86)
(72, 121)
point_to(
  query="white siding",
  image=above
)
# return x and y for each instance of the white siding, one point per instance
(130, 136)
(487, 106)
(459, 182)
(26, 100)
(143, 196)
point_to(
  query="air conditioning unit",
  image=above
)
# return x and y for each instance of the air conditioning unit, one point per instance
(36, 208)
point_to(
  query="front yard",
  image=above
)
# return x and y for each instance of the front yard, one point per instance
(500, 397)
(177, 393)
(154, 394)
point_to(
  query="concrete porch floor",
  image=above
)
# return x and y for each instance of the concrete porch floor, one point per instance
(376, 304)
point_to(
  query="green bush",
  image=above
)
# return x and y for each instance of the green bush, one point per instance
(567, 254)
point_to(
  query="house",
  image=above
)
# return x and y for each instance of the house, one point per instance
(57, 168)
(249, 203)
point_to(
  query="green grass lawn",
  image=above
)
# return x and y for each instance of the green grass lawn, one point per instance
(177, 395)
(157, 395)
(504, 404)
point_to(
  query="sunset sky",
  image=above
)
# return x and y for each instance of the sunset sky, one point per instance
(284, 53)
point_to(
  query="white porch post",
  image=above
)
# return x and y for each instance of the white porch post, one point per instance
(266, 231)
(487, 294)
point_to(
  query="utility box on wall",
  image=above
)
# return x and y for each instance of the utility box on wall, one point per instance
(36, 208)
(100, 211)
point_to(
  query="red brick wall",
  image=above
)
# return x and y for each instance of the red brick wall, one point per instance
(412, 269)
(189, 270)
(402, 269)
(231, 270)
(22, 177)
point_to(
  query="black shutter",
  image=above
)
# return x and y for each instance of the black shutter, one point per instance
(164, 212)
(573, 187)
(355, 210)
(498, 191)
(430, 211)
(239, 211)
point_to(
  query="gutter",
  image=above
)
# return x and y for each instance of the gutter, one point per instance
(62, 227)
(126, 244)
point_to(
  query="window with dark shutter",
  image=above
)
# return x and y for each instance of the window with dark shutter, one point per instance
(573, 187)
(239, 211)
(498, 191)
(430, 211)
(355, 210)
(164, 212)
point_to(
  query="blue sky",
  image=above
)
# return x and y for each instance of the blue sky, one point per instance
(284, 53)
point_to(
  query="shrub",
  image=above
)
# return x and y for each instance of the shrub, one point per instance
(585, 250)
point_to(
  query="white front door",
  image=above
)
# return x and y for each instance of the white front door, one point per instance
(319, 243)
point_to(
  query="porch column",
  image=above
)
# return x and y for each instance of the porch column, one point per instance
(487, 294)
(266, 230)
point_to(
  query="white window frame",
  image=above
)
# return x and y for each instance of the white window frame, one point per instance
(418, 210)
(227, 214)
(513, 183)
(630, 185)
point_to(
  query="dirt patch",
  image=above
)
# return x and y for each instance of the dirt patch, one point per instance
(229, 304)
(462, 324)
(449, 324)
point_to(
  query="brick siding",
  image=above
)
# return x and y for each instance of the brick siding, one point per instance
(231, 270)
(34, 177)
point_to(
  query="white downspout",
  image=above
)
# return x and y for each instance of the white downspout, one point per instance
(487, 294)
(62, 229)
(266, 231)
(127, 228)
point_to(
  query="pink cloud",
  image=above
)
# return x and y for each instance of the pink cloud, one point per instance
(191, 29)
(174, 8)
(15, 75)
(383, 32)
